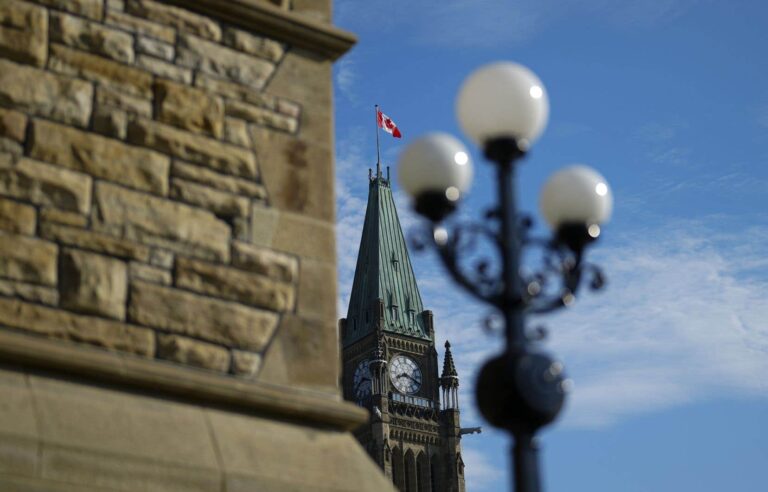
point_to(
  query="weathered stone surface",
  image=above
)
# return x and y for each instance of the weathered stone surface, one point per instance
(141, 26)
(236, 132)
(91, 36)
(111, 97)
(228, 323)
(45, 94)
(235, 91)
(92, 284)
(98, 69)
(11, 146)
(188, 108)
(198, 174)
(117, 5)
(214, 59)
(16, 217)
(149, 273)
(54, 323)
(29, 292)
(292, 233)
(23, 32)
(298, 174)
(194, 148)
(183, 20)
(28, 259)
(221, 203)
(44, 184)
(164, 223)
(317, 289)
(253, 45)
(94, 241)
(266, 262)
(161, 258)
(234, 284)
(262, 116)
(48, 214)
(93, 9)
(192, 352)
(153, 47)
(12, 124)
(292, 356)
(164, 69)
(245, 364)
(110, 122)
(100, 157)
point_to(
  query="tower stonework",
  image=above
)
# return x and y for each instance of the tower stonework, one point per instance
(167, 249)
(390, 364)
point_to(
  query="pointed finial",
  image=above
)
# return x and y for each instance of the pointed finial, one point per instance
(449, 368)
(447, 345)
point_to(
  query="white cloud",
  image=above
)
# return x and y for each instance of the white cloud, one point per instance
(480, 472)
(346, 77)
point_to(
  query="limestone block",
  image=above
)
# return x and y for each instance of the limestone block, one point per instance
(304, 352)
(264, 261)
(253, 45)
(228, 323)
(117, 5)
(95, 241)
(23, 32)
(91, 36)
(293, 233)
(27, 259)
(221, 203)
(163, 223)
(188, 108)
(13, 124)
(110, 122)
(298, 174)
(18, 427)
(235, 91)
(16, 217)
(222, 182)
(109, 96)
(192, 352)
(261, 116)
(245, 364)
(93, 9)
(54, 323)
(149, 273)
(99, 69)
(153, 47)
(181, 19)
(194, 148)
(49, 214)
(100, 157)
(236, 132)
(140, 26)
(217, 60)
(29, 292)
(45, 94)
(317, 290)
(92, 284)
(10, 147)
(164, 69)
(237, 285)
(44, 184)
(315, 89)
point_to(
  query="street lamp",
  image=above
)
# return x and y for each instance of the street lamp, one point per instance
(503, 107)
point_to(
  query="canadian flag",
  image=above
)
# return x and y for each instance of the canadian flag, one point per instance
(387, 124)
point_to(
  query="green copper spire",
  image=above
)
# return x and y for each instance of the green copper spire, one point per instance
(384, 292)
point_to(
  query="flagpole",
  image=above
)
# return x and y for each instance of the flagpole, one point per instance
(378, 156)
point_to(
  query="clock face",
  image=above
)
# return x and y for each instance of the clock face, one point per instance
(405, 374)
(361, 382)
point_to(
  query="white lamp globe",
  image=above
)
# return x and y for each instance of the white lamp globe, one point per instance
(435, 163)
(576, 195)
(503, 99)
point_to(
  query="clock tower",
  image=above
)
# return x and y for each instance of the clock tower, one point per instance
(390, 363)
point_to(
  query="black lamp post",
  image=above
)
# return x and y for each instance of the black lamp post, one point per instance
(503, 107)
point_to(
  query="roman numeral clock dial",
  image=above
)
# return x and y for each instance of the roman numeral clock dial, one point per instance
(405, 374)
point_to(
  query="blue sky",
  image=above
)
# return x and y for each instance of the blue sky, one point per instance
(668, 99)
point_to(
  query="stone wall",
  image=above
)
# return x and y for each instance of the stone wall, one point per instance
(166, 187)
